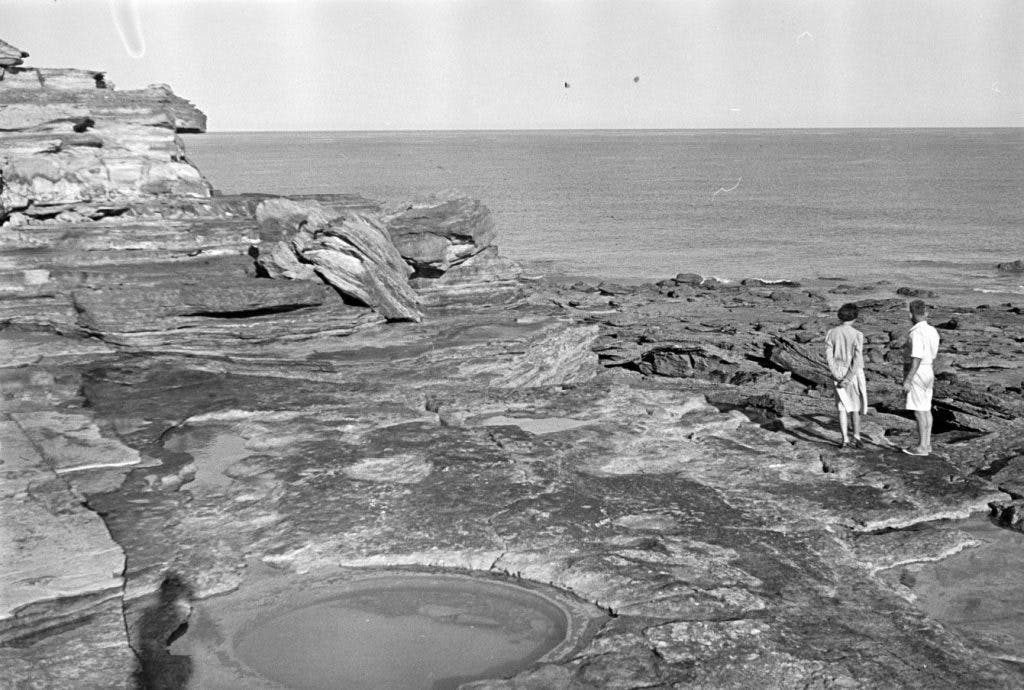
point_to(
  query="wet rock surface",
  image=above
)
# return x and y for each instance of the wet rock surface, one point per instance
(176, 415)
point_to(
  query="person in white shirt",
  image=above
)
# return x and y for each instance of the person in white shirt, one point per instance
(919, 375)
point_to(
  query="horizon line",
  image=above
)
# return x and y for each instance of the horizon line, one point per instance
(599, 129)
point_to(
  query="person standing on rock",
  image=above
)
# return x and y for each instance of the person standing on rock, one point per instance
(844, 352)
(919, 376)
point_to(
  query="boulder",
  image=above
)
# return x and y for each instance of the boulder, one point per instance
(485, 278)
(439, 232)
(1011, 266)
(448, 240)
(916, 292)
(354, 254)
(689, 278)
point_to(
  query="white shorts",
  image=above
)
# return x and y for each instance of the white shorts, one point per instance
(919, 397)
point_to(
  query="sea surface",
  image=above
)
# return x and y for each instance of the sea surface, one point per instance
(925, 208)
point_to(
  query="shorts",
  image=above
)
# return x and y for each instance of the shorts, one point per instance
(919, 397)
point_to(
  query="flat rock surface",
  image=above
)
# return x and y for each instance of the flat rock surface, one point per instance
(701, 500)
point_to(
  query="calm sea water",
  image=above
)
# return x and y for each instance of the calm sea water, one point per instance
(926, 208)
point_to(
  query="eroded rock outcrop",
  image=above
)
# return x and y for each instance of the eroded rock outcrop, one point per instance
(11, 56)
(448, 240)
(173, 419)
(302, 241)
(70, 144)
(438, 252)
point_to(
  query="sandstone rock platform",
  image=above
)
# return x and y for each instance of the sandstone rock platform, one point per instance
(190, 396)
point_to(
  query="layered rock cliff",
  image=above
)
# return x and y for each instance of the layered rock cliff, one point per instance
(74, 148)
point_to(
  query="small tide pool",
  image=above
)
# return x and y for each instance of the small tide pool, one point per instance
(398, 631)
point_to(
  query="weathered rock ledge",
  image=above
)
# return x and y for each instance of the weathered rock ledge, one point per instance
(73, 148)
(200, 385)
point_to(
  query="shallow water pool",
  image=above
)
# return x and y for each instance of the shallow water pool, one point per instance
(978, 590)
(399, 632)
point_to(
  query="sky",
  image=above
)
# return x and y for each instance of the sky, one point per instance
(280, 65)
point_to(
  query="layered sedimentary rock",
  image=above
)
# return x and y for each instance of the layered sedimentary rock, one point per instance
(449, 242)
(302, 241)
(436, 233)
(70, 144)
(190, 396)
(438, 252)
(11, 56)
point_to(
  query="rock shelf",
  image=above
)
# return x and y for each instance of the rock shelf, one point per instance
(174, 417)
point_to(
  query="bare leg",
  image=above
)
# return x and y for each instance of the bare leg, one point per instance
(922, 428)
(843, 425)
(926, 438)
(856, 424)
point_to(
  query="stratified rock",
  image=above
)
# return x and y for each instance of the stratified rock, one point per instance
(805, 363)
(560, 357)
(485, 278)
(187, 118)
(51, 547)
(357, 258)
(54, 79)
(448, 241)
(354, 254)
(436, 233)
(166, 306)
(11, 56)
(286, 215)
(70, 143)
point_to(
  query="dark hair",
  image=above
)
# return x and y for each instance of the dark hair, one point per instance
(848, 312)
(918, 308)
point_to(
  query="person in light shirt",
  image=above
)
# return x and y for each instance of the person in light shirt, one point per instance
(919, 375)
(844, 352)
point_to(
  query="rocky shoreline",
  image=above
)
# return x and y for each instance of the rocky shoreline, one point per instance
(196, 387)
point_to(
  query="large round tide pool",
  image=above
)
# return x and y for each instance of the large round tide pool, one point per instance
(394, 632)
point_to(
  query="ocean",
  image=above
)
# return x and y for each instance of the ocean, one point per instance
(925, 208)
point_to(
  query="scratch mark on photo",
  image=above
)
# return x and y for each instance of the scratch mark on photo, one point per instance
(723, 189)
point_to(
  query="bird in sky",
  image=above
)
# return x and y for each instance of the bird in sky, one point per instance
(636, 80)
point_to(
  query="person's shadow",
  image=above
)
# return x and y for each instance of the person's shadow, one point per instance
(158, 626)
(814, 430)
